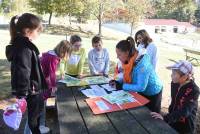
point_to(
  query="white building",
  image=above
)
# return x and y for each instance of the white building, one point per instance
(168, 25)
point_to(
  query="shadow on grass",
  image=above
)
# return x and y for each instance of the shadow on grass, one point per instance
(5, 90)
(67, 31)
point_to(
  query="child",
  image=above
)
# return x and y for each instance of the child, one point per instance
(184, 94)
(98, 58)
(138, 74)
(74, 66)
(143, 40)
(118, 73)
(27, 79)
(49, 62)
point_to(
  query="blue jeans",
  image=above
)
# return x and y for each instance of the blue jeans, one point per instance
(27, 130)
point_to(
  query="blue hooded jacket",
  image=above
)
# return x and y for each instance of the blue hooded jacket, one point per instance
(144, 78)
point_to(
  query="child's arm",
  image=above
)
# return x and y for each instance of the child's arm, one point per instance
(107, 65)
(52, 72)
(81, 63)
(185, 111)
(141, 83)
(22, 72)
(62, 67)
(153, 55)
(91, 66)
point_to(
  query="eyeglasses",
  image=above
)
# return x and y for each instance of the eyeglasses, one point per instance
(77, 46)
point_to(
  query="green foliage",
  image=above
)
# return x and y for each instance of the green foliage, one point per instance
(182, 10)
(4, 5)
(42, 6)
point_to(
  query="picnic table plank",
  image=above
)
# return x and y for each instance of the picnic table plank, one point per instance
(96, 124)
(153, 126)
(70, 121)
(125, 123)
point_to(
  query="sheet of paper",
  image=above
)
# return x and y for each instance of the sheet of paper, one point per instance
(102, 105)
(88, 93)
(95, 87)
(94, 92)
(96, 80)
(119, 97)
(62, 81)
(108, 87)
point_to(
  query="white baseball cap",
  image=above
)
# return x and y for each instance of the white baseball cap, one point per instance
(183, 66)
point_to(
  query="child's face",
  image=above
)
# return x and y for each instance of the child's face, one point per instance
(76, 46)
(139, 38)
(97, 46)
(33, 34)
(122, 56)
(177, 78)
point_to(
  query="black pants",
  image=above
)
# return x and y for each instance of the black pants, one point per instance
(35, 104)
(154, 102)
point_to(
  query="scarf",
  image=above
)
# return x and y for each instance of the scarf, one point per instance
(127, 68)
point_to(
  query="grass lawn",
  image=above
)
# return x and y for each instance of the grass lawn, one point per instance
(167, 55)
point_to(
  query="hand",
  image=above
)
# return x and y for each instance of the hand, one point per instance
(106, 75)
(62, 76)
(112, 83)
(54, 89)
(156, 115)
(80, 76)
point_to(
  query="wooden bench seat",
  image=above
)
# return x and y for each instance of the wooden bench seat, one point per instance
(192, 55)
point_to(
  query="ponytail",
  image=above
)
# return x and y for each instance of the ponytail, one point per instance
(19, 23)
(13, 28)
(127, 45)
(132, 45)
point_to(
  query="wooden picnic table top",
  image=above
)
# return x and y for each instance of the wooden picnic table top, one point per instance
(76, 117)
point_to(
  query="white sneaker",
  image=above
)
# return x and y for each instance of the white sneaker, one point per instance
(44, 129)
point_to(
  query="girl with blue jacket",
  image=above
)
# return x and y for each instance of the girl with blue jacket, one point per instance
(139, 75)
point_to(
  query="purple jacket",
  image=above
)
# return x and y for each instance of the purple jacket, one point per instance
(49, 62)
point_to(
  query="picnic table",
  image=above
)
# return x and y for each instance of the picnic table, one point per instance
(192, 54)
(76, 117)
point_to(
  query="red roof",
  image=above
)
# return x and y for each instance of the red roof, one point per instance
(168, 22)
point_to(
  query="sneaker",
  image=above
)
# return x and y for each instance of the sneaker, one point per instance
(44, 130)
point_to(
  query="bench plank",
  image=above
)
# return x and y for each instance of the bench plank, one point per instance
(125, 123)
(70, 121)
(192, 55)
(142, 115)
(96, 124)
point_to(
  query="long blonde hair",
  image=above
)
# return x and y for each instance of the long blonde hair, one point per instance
(62, 48)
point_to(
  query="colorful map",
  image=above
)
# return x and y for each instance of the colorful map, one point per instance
(92, 80)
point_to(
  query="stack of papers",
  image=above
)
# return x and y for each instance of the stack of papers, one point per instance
(119, 97)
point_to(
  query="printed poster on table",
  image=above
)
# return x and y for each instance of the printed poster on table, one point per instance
(110, 103)
(92, 80)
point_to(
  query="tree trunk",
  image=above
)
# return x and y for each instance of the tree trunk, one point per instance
(70, 20)
(131, 29)
(100, 27)
(100, 18)
(50, 16)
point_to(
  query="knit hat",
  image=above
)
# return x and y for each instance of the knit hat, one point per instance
(184, 66)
